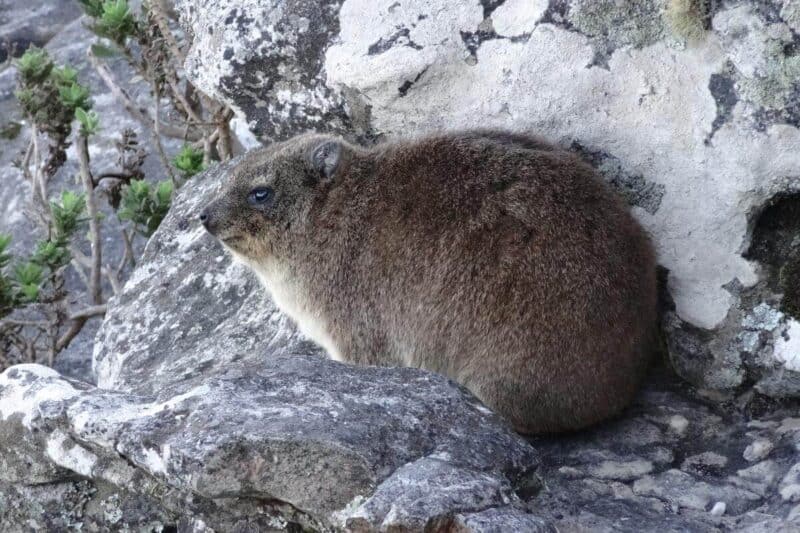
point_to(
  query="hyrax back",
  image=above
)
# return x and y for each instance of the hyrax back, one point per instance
(491, 257)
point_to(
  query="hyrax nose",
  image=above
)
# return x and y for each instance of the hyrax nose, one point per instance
(206, 220)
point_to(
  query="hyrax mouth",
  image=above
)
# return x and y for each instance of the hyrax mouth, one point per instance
(232, 239)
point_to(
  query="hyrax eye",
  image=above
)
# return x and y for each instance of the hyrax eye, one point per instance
(260, 196)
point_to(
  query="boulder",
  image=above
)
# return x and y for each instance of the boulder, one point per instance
(694, 120)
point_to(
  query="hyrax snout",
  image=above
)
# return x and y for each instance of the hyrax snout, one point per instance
(494, 258)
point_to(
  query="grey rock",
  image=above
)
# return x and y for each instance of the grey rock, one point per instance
(239, 47)
(298, 430)
(676, 487)
(32, 22)
(499, 520)
(681, 490)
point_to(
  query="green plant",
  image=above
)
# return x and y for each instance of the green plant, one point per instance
(144, 205)
(39, 312)
(49, 96)
(64, 76)
(93, 8)
(6, 289)
(89, 121)
(52, 254)
(34, 65)
(189, 161)
(116, 21)
(74, 96)
(67, 214)
(28, 276)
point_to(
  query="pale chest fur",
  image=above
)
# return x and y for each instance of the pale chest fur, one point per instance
(289, 299)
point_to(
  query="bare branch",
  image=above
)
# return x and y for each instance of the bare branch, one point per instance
(121, 176)
(225, 146)
(95, 286)
(75, 327)
(26, 161)
(89, 312)
(128, 255)
(158, 12)
(157, 138)
(139, 114)
(81, 272)
(7, 323)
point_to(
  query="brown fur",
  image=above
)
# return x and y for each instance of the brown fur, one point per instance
(493, 258)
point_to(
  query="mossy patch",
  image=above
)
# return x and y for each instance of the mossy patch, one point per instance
(688, 19)
(634, 23)
(773, 87)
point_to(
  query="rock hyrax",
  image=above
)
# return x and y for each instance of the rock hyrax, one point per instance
(494, 258)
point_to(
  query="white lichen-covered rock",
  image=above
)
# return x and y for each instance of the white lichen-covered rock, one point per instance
(700, 134)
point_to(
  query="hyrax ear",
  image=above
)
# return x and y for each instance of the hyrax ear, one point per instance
(325, 158)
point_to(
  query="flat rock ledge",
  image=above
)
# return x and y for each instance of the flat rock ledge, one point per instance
(297, 440)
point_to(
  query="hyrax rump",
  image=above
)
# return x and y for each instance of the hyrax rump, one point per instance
(493, 258)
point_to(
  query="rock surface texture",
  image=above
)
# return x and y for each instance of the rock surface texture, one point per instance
(698, 129)
(212, 413)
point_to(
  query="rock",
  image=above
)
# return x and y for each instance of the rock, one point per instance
(681, 490)
(33, 22)
(704, 463)
(718, 509)
(291, 38)
(701, 137)
(497, 520)
(790, 485)
(621, 470)
(660, 495)
(757, 450)
(759, 478)
(299, 430)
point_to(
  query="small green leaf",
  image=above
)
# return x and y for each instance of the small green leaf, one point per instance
(34, 65)
(67, 215)
(65, 76)
(144, 205)
(93, 8)
(74, 96)
(28, 273)
(29, 292)
(164, 192)
(52, 254)
(189, 160)
(90, 121)
(99, 50)
(5, 257)
(115, 22)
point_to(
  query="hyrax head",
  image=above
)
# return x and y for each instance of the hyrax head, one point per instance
(266, 200)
